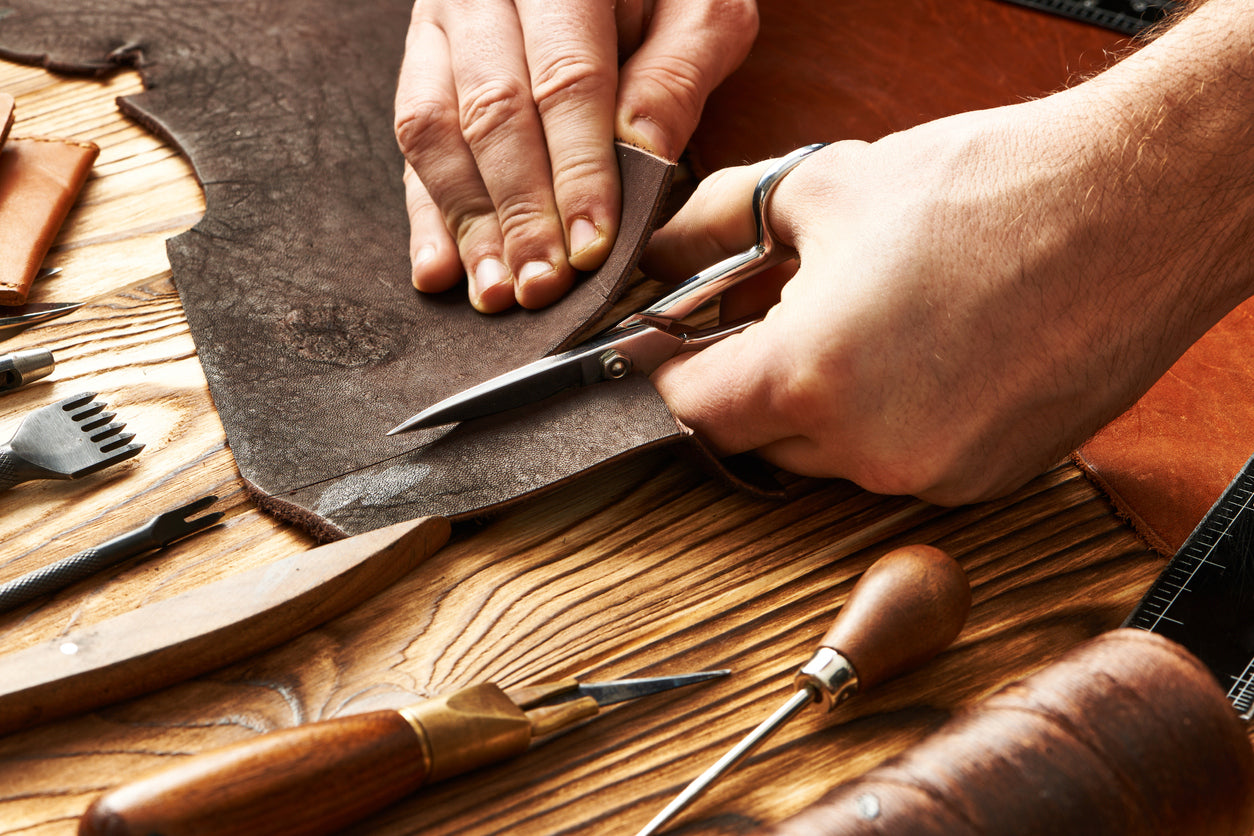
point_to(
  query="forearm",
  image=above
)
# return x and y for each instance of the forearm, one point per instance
(1169, 202)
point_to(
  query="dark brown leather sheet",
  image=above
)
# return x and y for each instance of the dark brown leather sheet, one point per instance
(296, 281)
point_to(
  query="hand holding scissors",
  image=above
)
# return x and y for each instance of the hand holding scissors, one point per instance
(641, 342)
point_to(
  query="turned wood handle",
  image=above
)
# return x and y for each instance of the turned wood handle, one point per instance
(1128, 735)
(310, 779)
(908, 607)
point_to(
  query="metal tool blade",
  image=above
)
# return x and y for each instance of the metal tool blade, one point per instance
(621, 690)
(1204, 599)
(19, 317)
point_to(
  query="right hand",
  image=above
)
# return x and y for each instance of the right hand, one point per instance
(506, 111)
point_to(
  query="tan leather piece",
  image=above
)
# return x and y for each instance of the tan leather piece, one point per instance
(39, 181)
(1166, 460)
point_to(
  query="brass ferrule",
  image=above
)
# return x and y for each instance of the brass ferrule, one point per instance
(468, 729)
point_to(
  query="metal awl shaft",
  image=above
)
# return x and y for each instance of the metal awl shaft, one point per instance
(904, 610)
(735, 755)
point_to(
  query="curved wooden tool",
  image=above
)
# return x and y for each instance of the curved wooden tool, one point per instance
(1126, 735)
(171, 640)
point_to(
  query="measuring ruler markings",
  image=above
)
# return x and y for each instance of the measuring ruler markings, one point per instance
(1131, 17)
(1204, 599)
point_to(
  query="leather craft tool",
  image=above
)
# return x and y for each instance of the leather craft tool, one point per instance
(1124, 735)
(641, 342)
(1204, 598)
(320, 777)
(65, 440)
(1130, 17)
(908, 607)
(167, 641)
(18, 318)
(23, 367)
(157, 533)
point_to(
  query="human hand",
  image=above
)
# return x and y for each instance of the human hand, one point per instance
(975, 297)
(506, 111)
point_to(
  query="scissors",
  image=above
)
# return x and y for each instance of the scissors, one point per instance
(641, 342)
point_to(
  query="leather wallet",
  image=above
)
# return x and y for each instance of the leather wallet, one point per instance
(39, 181)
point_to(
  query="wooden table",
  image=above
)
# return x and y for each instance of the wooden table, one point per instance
(648, 568)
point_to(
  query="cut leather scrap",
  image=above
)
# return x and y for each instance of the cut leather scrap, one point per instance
(39, 181)
(1166, 460)
(296, 281)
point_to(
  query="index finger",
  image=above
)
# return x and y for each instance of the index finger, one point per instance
(572, 55)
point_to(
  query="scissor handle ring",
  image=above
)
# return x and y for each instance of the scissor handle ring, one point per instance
(695, 291)
(766, 187)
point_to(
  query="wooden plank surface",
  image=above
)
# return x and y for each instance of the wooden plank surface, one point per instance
(651, 567)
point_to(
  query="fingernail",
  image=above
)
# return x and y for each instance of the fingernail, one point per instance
(488, 274)
(425, 254)
(583, 235)
(533, 270)
(648, 135)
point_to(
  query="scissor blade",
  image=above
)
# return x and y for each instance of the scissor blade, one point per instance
(524, 385)
(641, 347)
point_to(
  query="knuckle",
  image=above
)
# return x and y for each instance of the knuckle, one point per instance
(585, 167)
(422, 122)
(491, 107)
(677, 83)
(740, 17)
(521, 218)
(568, 79)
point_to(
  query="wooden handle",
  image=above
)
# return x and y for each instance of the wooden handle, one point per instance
(909, 606)
(310, 779)
(1127, 735)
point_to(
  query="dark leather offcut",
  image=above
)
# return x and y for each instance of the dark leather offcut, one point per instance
(296, 281)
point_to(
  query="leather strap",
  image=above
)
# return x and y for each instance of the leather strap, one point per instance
(39, 181)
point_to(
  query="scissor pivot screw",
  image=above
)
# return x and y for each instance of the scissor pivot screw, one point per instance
(615, 364)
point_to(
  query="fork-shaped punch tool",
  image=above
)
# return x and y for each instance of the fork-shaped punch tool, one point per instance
(157, 533)
(65, 440)
(320, 777)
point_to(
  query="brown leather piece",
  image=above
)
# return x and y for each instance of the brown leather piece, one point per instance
(296, 281)
(1165, 461)
(39, 181)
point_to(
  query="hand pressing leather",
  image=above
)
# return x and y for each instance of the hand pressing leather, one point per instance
(977, 295)
(506, 111)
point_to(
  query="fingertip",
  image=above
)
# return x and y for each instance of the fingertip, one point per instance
(589, 244)
(541, 284)
(644, 132)
(491, 286)
(434, 268)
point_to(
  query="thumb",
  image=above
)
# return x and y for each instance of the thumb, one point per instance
(715, 222)
(690, 47)
(734, 394)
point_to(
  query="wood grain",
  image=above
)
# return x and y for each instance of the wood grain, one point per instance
(650, 567)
